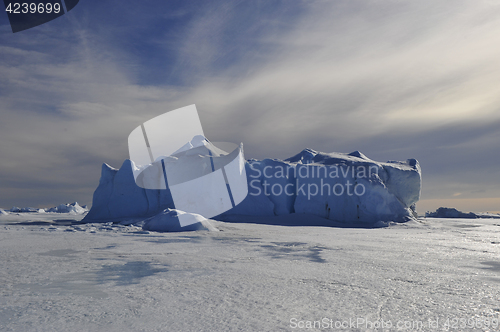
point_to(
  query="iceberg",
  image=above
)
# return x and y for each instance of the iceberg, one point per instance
(16, 209)
(347, 188)
(73, 208)
(341, 187)
(444, 212)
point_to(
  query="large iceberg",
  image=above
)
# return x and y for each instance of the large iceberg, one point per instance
(348, 188)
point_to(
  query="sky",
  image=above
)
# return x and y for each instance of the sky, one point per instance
(393, 79)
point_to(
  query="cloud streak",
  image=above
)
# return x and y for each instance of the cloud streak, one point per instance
(395, 80)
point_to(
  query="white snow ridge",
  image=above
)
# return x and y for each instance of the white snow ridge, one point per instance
(347, 188)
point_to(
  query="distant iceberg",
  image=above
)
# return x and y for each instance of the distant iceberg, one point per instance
(444, 212)
(73, 208)
(348, 188)
(16, 209)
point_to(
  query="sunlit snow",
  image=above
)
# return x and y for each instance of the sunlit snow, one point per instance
(61, 275)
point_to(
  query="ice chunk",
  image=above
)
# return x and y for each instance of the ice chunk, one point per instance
(73, 208)
(444, 212)
(169, 220)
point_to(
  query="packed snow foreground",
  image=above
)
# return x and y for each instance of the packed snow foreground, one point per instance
(348, 188)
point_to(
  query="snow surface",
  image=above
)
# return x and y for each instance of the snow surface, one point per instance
(365, 190)
(60, 275)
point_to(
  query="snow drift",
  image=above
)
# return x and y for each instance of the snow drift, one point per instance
(337, 186)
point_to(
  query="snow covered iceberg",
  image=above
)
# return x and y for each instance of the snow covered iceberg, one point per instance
(444, 212)
(73, 208)
(342, 187)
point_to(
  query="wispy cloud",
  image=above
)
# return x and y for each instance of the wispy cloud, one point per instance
(394, 79)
